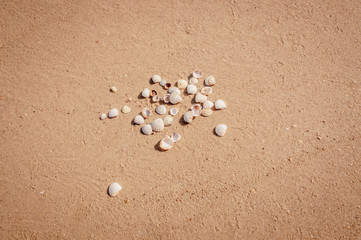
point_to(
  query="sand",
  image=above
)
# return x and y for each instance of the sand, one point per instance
(288, 167)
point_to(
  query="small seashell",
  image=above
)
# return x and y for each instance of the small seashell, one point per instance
(166, 98)
(146, 112)
(147, 129)
(175, 137)
(156, 78)
(175, 98)
(139, 120)
(197, 74)
(210, 81)
(174, 89)
(220, 104)
(168, 120)
(153, 93)
(174, 111)
(157, 125)
(188, 117)
(220, 130)
(114, 189)
(162, 82)
(206, 91)
(167, 86)
(193, 81)
(208, 104)
(166, 143)
(191, 89)
(196, 110)
(200, 98)
(182, 84)
(113, 89)
(103, 116)
(146, 93)
(126, 109)
(206, 112)
(155, 98)
(161, 109)
(113, 113)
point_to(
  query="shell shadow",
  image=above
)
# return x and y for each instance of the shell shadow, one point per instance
(214, 132)
(151, 81)
(190, 76)
(157, 147)
(140, 96)
(181, 122)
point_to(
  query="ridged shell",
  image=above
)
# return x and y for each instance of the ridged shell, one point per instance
(200, 98)
(114, 189)
(175, 98)
(146, 112)
(175, 137)
(192, 89)
(206, 91)
(220, 104)
(174, 111)
(139, 119)
(197, 74)
(193, 81)
(168, 120)
(208, 104)
(188, 117)
(166, 98)
(182, 84)
(162, 82)
(210, 81)
(206, 112)
(221, 130)
(103, 116)
(146, 93)
(161, 109)
(113, 89)
(147, 129)
(126, 109)
(196, 110)
(157, 125)
(166, 143)
(113, 113)
(174, 89)
(156, 78)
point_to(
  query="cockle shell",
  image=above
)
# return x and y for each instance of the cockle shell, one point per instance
(157, 125)
(200, 98)
(197, 74)
(103, 116)
(156, 78)
(114, 189)
(193, 81)
(139, 119)
(147, 129)
(174, 111)
(162, 82)
(161, 109)
(166, 143)
(208, 104)
(188, 117)
(113, 89)
(220, 130)
(182, 84)
(126, 109)
(155, 98)
(166, 98)
(206, 91)
(174, 89)
(146, 112)
(113, 113)
(192, 89)
(206, 112)
(175, 98)
(168, 120)
(210, 81)
(220, 104)
(146, 93)
(175, 137)
(196, 110)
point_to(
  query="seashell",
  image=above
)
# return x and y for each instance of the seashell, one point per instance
(113, 89)
(200, 98)
(139, 120)
(206, 112)
(206, 91)
(197, 74)
(161, 109)
(126, 109)
(146, 112)
(166, 98)
(174, 111)
(220, 104)
(155, 98)
(182, 84)
(175, 137)
(188, 117)
(193, 81)
(146, 93)
(162, 82)
(114, 189)
(175, 98)
(147, 129)
(156, 78)
(157, 125)
(166, 143)
(168, 120)
(103, 116)
(174, 89)
(210, 81)
(167, 86)
(113, 113)
(221, 130)
(153, 93)
(191, 89)
(208, 104)
(196, 110)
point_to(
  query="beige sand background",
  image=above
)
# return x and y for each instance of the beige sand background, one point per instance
(279, 65)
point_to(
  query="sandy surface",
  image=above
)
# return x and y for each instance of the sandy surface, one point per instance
(288, 168)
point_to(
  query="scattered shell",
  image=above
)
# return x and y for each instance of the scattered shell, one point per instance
(206, 91)
(206, 112)
(175, 98)
(113, 89)
(174, 111)
(166, 98)
(139, 120)
(113, 113)
(197, 74)
(188, 117)
(174, 89)
(196, 110)
(147, 129)
(146, 93)
(168, 120)
(114, 189)
(167, 86)
(103, 116)
(200, 98)
(157, 125)
(208, 104)
(220, 130)
(156, 78)
(126, 109)
(166, 143)
(220, 104)
(153, 93)
(161, 109)
(146, 112)
(182, 84)
(162, 82)
(193, 81)
(192, 89)
(155, 98)
(175, 137)
(210, 81)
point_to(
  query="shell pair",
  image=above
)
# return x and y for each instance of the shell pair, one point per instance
(168, 142)
(195, 111)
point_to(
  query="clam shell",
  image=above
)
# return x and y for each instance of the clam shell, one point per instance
(155, 98)
(157, 125)
(114, 189)
(113, 89)
(193, 81)
(161, 109)
(166, 143)
(210, 81)
(221, 130)
(174, 111)
(175, 98)
(174, 89)
(188, 117)
(197, 74)
(206, 112)
(126, 109)
(147, 129)
(182, 84)
(113, 113)
(175, 137)
(146, 112)
(146, 93)
(191, 89)
(206, 91)
(139, 119)
(162, 82)
(168, 120)
(220, 104)
(200, 98)
(103, 116)
(208, 104)
(156, 78)
(196, 110)
(166, 98)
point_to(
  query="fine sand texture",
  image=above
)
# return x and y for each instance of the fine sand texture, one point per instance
(289, 166)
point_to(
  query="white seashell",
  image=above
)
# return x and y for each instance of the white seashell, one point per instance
(156, 78)
(166, 98)
(155, 98)
(113, 113)
(175, 98)
(206, 91)
(157, 125)
(146, 93)
(126, 109)
(113, 89)
(221, 130)
(182, 84)
(188, 117)
(174, 111)
(174, 89)
(147, 129)
(206, 112)
(139, 119)
(192, 89)
(196, 110)
(200, 98)
(103, 116)
(220, 104)
(162, 82)
(210, 81)
(197, 74)
(208, 104)
(193, 81)
(175, 137)
(168, 120)
(166, 143)
(146, 112)
(114, 189)
(161, 109)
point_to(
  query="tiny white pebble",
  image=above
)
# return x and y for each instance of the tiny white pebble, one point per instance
(287, 129)
(42, 192)
(113, 89)
(103, 116)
